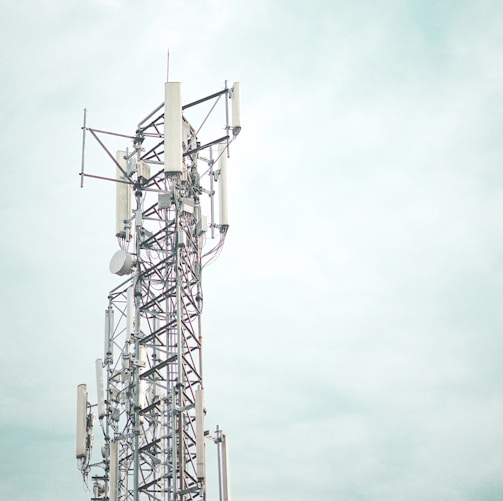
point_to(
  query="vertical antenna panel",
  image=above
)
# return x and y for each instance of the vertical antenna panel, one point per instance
(81, 449)
(236, 109)
(200, 450)
(173, 128)
(142, 387)
(224, 219)
(112, 485)
(109, 325)
(225, 470)
(99, 388)
(123, 198)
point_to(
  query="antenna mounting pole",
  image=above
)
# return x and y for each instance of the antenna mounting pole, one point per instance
(83, 149)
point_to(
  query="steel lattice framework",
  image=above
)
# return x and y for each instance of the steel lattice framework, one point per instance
(152, 410)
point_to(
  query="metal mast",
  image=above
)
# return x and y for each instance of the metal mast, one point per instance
(151, 405)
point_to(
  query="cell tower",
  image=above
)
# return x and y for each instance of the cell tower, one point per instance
(171, 204)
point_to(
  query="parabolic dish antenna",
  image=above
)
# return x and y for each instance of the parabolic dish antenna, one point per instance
(121, 263)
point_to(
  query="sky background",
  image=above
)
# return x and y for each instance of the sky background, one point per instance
(353, 322)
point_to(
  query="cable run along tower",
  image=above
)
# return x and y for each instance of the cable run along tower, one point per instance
(171, 221)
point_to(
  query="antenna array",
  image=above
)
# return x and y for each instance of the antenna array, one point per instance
(150, 401)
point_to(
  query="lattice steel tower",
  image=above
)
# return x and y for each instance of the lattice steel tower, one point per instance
(171, 203)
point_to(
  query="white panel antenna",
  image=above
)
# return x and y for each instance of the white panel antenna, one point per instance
(225, 470)
(143, 383)
(223, 465)
(236, 109)
(224, 218)
(200, 445)
(112, 483)
(99, 388)
(109, 326)
(81, 450)
(173, 128)
(123, 198)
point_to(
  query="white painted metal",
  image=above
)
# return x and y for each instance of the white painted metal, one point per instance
(153, 416)
(143, 383)
(81, 449)
(112, 483)
(236, 109)
(173, 128)
(200, 445)
(99, 388)
(123, 198)
(143, 170)
(224, 218)
(121, 263)
(225, 470)
(109, 326)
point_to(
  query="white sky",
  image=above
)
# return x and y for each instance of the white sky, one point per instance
(353, 321)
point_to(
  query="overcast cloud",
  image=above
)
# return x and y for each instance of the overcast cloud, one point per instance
(353, 322)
